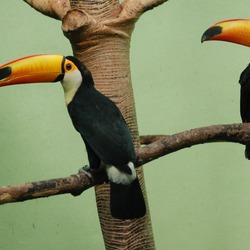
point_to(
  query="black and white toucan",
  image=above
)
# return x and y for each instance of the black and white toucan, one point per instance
(235, 31)
(103, 129)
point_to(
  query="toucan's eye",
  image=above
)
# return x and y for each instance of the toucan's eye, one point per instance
(68, 66)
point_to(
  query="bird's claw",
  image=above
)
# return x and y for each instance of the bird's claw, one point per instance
(85, 170)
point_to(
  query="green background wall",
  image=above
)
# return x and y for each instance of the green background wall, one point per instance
(199, 197)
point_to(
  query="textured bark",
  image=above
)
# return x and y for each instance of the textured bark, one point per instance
(100, 32)
(74, 184)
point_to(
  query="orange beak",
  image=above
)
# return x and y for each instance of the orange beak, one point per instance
(32, 69)
(234, 31)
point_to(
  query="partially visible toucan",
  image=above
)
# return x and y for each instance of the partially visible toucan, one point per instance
(235, 31)
(102, 127)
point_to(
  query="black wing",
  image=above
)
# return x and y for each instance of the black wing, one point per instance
(245, 94)
(102, 127)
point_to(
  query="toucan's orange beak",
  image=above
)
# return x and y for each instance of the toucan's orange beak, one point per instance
(32, 69)
(234, 31)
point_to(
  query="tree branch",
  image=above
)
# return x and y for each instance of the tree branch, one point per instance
(133, 9)
(33, 190)
(52, 8)
(77, 183)
(238, 133)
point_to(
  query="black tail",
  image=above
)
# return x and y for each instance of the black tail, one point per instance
(247, 151)
(126, 201)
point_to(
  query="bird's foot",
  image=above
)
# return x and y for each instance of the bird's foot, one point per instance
(85, 170)
(99, 174)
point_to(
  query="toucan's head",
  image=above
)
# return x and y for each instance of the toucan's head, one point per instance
(235, 31)
(47, 68)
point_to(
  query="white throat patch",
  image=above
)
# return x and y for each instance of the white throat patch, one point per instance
(71, 82)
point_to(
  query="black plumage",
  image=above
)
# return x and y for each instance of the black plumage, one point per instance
(245, 101)
(108, 140)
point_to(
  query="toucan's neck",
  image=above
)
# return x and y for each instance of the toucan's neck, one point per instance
(84, 91)
(69, 95)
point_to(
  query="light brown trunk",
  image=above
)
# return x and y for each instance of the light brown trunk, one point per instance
(102, 42)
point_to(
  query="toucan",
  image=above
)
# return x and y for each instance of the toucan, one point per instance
(235, 31)
(100, 123)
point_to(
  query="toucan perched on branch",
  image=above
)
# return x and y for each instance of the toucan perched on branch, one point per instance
(103, 129)
(235, 31)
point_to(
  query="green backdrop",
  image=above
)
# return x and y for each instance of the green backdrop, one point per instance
(199, 197)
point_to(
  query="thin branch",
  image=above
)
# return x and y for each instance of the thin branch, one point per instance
(52, 8)
(33, 190)
(77, 183)
(238, 133)
(133, 9)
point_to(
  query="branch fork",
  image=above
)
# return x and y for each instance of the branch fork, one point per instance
(129, 8)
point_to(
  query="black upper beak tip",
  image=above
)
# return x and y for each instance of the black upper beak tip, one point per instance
(206, 35)
(203, 38)
(210, 33)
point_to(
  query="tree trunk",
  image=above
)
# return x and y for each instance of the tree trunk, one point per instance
(103, 45)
